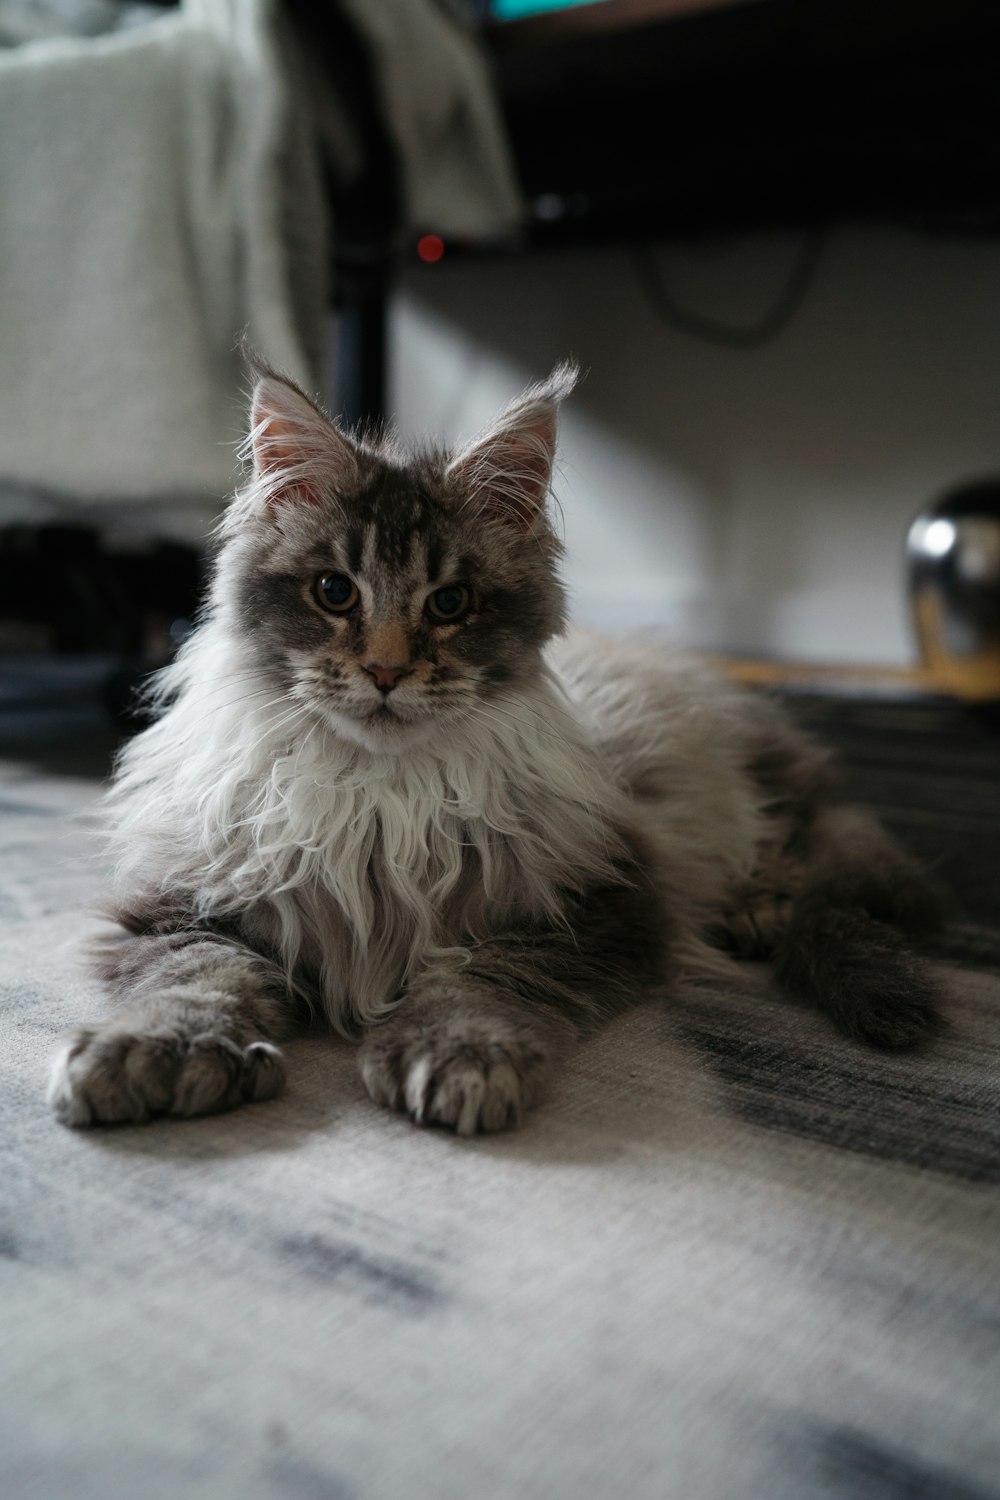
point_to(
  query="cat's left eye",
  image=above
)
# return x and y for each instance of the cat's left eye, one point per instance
(449, 604)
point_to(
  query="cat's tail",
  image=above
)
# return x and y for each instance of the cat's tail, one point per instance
(849, 948)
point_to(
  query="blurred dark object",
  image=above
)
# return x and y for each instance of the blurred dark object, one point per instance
(367, 204)
(87, 614)
(953, 557)
(930, 769)
(642, 117)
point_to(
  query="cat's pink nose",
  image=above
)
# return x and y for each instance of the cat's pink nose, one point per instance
(385, 678)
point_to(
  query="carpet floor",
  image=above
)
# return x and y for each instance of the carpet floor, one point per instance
(733, 1256)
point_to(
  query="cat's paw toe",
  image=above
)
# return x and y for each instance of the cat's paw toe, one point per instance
(468, 1095)
(65, 1094)
(468, 1087)
(112, 1076)
(216, 1074)
(755, 927)
(108, 1076)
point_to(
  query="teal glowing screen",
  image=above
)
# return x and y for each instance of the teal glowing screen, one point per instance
(513, 10)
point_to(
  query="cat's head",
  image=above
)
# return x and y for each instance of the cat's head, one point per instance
(393, 592)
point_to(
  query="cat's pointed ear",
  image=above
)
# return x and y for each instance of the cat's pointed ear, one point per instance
(507, 471)
(298, 454)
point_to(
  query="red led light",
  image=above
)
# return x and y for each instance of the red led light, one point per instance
(430, 247)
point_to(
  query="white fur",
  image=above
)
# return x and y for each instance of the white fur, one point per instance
(242, 799)
(68, 1102)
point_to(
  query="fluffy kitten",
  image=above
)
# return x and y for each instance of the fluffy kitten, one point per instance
(379, 795)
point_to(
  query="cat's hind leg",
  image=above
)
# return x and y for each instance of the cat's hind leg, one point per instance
(192, 1034)
(756, 918)
(757, 915)
(788, 779)
(863, 908)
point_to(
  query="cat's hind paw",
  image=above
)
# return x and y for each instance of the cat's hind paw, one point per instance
(110, 1076)
(755, 924)
(444, 1075)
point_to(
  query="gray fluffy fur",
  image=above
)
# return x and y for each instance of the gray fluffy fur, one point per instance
(466, 840)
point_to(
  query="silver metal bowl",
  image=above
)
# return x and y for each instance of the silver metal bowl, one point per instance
(953, 562)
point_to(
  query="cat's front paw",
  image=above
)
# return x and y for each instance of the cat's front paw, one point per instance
(111, 1075)
(460, 1072)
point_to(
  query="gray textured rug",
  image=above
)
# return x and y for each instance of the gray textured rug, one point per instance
(734, 1256)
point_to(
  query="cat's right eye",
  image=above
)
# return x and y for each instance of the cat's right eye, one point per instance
(337, 593)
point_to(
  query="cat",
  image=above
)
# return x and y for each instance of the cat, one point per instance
(388, 791)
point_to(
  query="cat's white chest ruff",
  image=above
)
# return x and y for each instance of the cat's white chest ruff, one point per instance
(360, 866)
(372, 866)
(389, 861)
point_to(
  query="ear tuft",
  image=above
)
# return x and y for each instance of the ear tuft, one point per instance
(561, 383)
(298, 455)
(508, 470)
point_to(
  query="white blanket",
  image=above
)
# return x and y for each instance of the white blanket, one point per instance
(140, 235)
(732, 1257)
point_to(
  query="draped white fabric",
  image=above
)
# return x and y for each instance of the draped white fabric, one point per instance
(161, 194)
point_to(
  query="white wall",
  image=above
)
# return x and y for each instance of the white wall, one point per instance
(751, 501)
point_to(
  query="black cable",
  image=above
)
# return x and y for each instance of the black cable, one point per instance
(713, 330)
